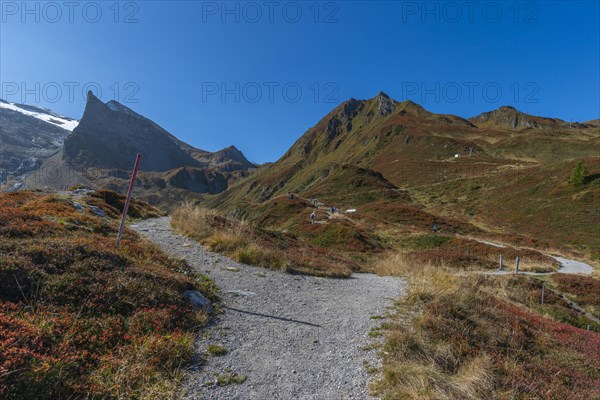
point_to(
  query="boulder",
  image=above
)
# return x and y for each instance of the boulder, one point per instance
(98, 211)
(196, 298)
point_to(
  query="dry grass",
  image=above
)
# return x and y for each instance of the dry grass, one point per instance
(251, 245)
(228, 236)
(465, 254)
(482, 337)
(196, 222)
(413, 365)
(422, 277)
(526, 264)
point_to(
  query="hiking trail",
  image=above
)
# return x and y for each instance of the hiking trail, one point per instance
(289, 336)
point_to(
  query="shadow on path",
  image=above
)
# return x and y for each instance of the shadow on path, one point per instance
(271, 316)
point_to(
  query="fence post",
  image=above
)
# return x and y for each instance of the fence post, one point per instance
(501, 267)
(543, 286)
(128, 199)
(517, 265)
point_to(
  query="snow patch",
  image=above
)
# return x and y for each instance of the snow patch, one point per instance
(60, 121)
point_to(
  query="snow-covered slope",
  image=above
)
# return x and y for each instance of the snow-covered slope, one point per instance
(29, 134)
(43, 114)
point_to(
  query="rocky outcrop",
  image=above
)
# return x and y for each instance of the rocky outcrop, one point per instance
(385, 105)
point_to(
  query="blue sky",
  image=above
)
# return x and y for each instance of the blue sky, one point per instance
(259, 74)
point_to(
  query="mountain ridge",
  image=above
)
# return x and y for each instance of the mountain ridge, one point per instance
(388, 136)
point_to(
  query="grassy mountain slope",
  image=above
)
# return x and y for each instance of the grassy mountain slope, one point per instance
(437, 164)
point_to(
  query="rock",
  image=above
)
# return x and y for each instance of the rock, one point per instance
(83, 191)
(78, 206)
(385, 105)
(98, 211)
(197, 300)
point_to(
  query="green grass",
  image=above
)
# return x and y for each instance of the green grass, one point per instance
(216, 350)
(230, 378)
(427, 242)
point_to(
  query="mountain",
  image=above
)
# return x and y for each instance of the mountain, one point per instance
(396, 161)
(110, 135)
(507, 117)
(102, 147)
(27, 135)
(227, 159)
(384, 157)
(409, 144)
(379, 134)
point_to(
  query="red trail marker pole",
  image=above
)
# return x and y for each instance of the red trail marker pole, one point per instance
(129, 191)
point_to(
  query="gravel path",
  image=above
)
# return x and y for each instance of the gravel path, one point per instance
(567, 266)
(572, 267)
(292, 337)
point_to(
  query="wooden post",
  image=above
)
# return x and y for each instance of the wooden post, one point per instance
(501, 267)
(517, 265)
(128, 199)
(543, 286)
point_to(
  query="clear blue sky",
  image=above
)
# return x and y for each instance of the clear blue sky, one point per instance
(174, 60)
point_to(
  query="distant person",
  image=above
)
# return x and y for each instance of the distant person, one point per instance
(313, 217)
(435, 228)
(331, 211)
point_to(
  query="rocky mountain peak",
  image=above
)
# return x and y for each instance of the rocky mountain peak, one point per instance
(232, 153)
(110, 135)
(385, 105)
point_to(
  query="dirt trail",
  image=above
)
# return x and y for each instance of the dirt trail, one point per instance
(290, 336)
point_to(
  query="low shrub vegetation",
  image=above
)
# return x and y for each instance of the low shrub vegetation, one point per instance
(584, 290)
(477, 336)
(253, 245)
(80, 318)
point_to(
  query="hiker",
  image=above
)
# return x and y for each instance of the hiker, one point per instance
(313, 216)
(331, 212)
(435, 228)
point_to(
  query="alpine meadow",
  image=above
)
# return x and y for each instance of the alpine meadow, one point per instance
(300, 200)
